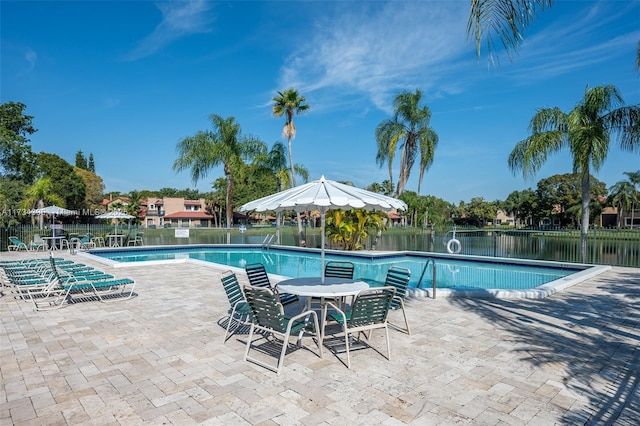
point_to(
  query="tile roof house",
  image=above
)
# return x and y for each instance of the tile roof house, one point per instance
(175, 212)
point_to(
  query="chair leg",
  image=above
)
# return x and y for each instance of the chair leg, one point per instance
(233, 311)
(404, 314)
(386, 332)
(283, 352)
(346, 344)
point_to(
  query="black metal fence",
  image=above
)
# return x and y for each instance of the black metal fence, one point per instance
(616, 247)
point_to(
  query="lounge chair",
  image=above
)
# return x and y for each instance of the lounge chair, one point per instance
(64, 287)
(237, 301)
(16, 245)
(268, 316)
(258, 277)
(368, 312)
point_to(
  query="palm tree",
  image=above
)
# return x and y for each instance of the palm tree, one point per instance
(224, 146)
(506, 19)
(620, 196)
(290, 103)
(587, 131)
(387, 187)
(276, 161)
(634, 179)
(39, 194)
(408, 131)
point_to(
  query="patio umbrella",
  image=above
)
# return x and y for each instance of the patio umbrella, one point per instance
(115, 214)
(53, 211)
(323, 195)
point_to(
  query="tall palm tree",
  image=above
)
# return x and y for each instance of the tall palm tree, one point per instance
(634, 179)
(224, 146)
(290, 103)
(409, 132)
(587, 131)
(620, 196)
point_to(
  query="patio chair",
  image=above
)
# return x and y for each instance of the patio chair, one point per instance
(333, 269)
(368, 312)
(237, 301)
(399, 278)
(268, 316)
(38, 243)
(258, 277)
(339, 269)
(84, 242)
(135, 240)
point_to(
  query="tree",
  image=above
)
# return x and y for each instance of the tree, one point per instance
(504, 19)
(92, 165)
(409, 132)
(348, 228)
(507, 20)
(65, 182)
(387, 187)
(634, 179)
(11, 194)
(134, 206)
(94, 188)
(587, 131)
(41, 193)
(290, 103)
(17, 161)
(522, 205)
(276, 162)
(621, 195)
(225, 146)
(81, 160)
(480, 211)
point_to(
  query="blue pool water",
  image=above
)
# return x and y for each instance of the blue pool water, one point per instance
(451, 273)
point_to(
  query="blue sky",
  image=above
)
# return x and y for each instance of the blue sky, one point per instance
(127, 80)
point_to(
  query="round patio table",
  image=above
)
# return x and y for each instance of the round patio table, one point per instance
(314, 287)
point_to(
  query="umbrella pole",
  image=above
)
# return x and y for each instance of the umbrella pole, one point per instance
(322, 222)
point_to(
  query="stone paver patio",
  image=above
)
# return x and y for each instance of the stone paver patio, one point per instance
(572, 358)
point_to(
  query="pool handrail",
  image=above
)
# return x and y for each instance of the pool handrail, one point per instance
(268, 240)
(426, 265)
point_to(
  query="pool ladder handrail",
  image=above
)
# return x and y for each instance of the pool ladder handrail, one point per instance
(424, 270)
(268, 240)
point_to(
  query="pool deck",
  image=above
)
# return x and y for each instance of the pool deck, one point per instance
(570, 358)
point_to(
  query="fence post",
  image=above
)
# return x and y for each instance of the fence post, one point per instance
(593, 252)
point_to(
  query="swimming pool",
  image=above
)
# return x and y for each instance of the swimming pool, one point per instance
(455, 275)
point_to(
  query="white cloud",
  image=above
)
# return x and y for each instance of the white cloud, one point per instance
(378, 49)
(179, 19)
(562, 48)
(31, 57)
